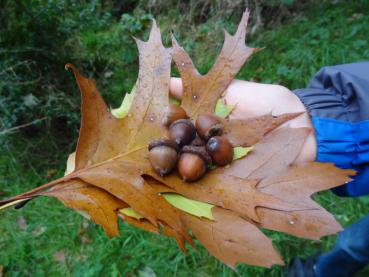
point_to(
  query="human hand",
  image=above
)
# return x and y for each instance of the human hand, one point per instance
(253, 99)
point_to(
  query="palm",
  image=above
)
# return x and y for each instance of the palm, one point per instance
(255, 99)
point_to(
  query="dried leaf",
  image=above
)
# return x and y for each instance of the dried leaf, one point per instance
(167, 231)
(309, 224)
(201, 93)
(241, 132)
(193, 207)
(100, 205)
(122, 179)
(298, 187)
(230, 192)
(102, 136)
(233, 239)
(95, 115)
(142, 224)
(273, 155)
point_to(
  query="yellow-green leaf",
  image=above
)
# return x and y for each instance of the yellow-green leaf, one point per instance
(240, 152)
(175, 101)
(123, 110)
(131, 213)
(223, 110)
(83, 213)
(196, 208)
(71, 163)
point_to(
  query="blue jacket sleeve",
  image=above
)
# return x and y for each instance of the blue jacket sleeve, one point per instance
(337, 99)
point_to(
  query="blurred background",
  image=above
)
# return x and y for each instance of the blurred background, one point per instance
(39, 114)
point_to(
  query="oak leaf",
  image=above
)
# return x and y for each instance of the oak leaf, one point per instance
(201, 93)
(110, 171)
(98, 204)
(233, 239)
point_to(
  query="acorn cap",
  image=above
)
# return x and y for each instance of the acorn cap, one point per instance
(209, 125)
(198, 150)
(198, 142)
(163, 142)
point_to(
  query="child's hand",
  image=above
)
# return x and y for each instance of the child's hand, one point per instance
(254, 99)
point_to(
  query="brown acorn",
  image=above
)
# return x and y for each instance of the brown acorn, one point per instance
(220, 150)
(182, 132)
(193, 162)
(172, 113)
(208, 125)
(163, 155)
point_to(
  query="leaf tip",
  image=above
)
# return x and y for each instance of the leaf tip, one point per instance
(154, 25)
(243, 23)
(69, 66)
(174, 41)
(155, 31)
(74, 69)
(257, 49)
(245, 15)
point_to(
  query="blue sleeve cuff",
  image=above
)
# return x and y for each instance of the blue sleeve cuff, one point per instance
(347, 145)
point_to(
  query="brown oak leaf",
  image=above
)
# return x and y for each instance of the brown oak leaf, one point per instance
(200, 93)
(101, 206)
(233, 239)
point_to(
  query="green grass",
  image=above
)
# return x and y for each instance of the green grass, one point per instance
(323, 35)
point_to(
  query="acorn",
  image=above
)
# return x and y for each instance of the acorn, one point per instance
(193, 162)
(163, 155)
(182, 132)
(208, 125)
(172, 113)
(220, 150)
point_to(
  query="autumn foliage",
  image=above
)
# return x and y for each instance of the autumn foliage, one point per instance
(263, 189)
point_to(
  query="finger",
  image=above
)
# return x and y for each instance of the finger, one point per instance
(175, 88)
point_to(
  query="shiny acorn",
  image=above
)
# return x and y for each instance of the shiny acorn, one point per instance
(182, 131)
(208, 125)
(220, 150)
(193, 162)
(172, 113)
(163, 155)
